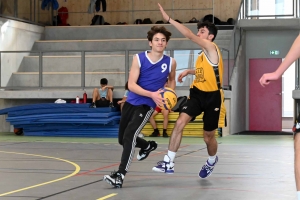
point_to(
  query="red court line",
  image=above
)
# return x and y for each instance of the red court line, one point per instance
(90, 171)
(112, 165)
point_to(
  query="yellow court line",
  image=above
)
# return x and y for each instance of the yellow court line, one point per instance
(108, 196)
(77, 169)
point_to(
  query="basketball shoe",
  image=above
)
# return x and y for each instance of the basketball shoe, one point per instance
(165, 166)
(115, 179)
(144, 153)
(207, 169)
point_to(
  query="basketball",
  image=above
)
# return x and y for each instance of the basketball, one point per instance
(170, 98)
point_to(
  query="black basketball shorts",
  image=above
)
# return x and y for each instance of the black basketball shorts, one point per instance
(211, 103)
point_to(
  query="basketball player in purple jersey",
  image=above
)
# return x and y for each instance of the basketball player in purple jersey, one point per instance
(148, 74)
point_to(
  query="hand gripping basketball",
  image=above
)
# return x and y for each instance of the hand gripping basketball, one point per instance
(170, 98)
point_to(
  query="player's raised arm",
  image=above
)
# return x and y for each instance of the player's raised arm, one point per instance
(204, 44)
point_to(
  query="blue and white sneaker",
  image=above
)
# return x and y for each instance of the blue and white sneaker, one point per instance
(207, 169)
(165, 166)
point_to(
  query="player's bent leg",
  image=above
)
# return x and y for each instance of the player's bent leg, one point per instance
(212, 145)
(167, 165)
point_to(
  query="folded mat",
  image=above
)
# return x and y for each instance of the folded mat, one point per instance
(55, 106)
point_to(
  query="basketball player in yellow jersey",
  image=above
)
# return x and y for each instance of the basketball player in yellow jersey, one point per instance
(206, 96)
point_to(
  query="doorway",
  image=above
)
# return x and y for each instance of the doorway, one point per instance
(265, 103)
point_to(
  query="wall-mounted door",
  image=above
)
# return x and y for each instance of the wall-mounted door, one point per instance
(265, 103)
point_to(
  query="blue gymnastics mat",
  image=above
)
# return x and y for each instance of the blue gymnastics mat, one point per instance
(72, 120)
(66, 126)
(64, 115)
(77, 107)
(59, 110)
(110, 134)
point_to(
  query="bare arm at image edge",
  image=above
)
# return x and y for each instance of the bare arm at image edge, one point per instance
(293, 55)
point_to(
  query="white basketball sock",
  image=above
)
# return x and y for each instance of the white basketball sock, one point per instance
(171, 155)
(212, 159)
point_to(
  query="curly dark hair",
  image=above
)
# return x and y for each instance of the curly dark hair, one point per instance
(158, 29)
(212, 29)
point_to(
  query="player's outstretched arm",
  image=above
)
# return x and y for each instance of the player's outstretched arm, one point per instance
(185, 73)
(293, 54)
(204, 44)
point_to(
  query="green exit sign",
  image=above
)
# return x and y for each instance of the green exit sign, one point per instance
(274, 52)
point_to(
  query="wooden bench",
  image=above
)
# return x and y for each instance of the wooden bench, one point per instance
(192, 129)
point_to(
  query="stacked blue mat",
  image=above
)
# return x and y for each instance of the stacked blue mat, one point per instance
(66, 119)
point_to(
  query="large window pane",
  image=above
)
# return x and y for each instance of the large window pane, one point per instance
(270, 8)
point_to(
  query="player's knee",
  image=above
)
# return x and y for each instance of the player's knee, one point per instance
(207, 139)
(180, 123)
(208, 136)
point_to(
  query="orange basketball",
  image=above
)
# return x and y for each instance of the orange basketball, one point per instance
(170, 98)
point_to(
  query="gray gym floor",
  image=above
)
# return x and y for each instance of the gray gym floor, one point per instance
(250, 167)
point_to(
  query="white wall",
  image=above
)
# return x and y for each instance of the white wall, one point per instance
(16, 36)
(238, 96)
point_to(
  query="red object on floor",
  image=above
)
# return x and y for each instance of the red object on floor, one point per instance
(84, 97)
(63, 15)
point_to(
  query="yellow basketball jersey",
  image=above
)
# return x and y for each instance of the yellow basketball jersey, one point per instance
(205, 78)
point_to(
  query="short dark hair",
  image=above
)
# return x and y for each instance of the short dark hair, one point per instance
(126, 86)
(212, 29)
(103, 81)
(158, 29)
